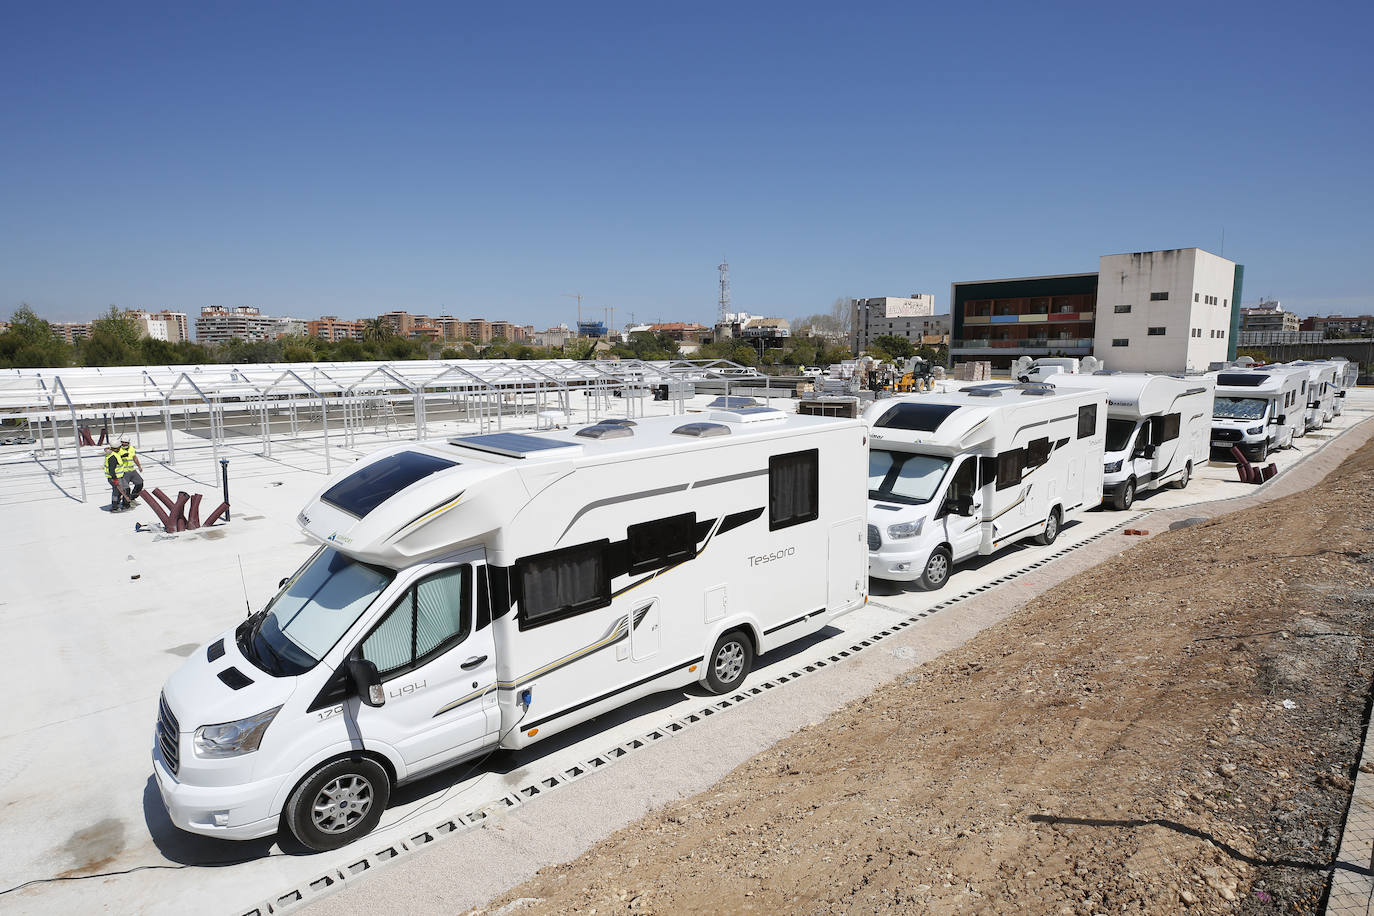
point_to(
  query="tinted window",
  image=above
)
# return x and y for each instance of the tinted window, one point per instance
(362, 491)
(1009, 468)
(793, 489)
(1236, 380)
(560, 583)
(1118, 434)
(661, 543)
(1087, 421)
(1166, 427)
(924, 418)
(1037, 453)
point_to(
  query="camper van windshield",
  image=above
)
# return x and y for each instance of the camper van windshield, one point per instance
(904, 477)
(1239, 408)
(311, 612)
(1119, 434)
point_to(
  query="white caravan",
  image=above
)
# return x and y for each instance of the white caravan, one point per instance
(955, 475)
(1158, 430)
(494, 590)
(1347, 376)
(1321, 390)
(1259, 409)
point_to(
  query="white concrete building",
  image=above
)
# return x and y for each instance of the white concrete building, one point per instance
(164, 325)
(912, 317)
(1167, 311)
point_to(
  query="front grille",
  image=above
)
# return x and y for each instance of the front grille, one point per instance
(874, 542)
(168, 732)
(1226, 435)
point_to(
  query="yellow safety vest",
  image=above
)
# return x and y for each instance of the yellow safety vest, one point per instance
(126, 459)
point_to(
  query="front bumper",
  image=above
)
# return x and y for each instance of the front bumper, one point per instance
(245, 811)
(897, 566)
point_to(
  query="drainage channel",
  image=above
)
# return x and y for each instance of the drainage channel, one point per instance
(335, 878)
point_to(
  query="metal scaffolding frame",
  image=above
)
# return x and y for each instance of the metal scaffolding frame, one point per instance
(484, 392)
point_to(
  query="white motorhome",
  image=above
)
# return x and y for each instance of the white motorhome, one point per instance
(1322, 390)
(494, 590)
(1347, 376)
(1158, 430)
(1259, 409)
(955, 475)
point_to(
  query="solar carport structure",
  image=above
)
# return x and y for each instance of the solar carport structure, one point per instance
(323, 403)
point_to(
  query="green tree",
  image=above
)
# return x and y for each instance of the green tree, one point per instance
(579, 348)
(114, 341)
(896, 347)
(376, 329)
(31, 343)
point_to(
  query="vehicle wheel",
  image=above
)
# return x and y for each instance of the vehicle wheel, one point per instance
(730, 662)
(937, 570)
(1051, 529)
(1186, 478)
(338, 803)
(1125, 497)
(1263, 452)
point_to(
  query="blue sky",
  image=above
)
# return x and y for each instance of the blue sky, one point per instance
(350, 159)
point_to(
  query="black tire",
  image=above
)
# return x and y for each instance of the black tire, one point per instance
(1051, 531)
(1263, 452)
(1182, 482)
(338, 803)
(730, 662)
(938, 568)
(1125, 497)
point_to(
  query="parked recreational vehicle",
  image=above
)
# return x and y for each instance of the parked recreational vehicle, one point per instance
(1259, 409)
(1158, 430)
(1347, 374)
(968, 472)
(491, 591)
(1321, 390)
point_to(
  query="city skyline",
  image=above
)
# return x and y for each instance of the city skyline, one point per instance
(486, 162)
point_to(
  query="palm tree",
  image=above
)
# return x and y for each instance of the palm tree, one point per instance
(376, 329)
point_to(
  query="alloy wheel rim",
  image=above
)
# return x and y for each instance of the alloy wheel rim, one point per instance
(341, 803)
(729, 662)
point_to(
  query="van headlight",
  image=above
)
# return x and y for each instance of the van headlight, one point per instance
(1111, 467)
(905, 529)
(233, 738)
(1254, 430)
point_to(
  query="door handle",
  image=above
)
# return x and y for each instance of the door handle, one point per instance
(473, 662)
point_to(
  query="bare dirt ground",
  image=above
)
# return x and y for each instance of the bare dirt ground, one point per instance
(1174, 730)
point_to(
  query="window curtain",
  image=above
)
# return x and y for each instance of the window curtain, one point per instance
(389, 645)
(563, 580)
(792, 485)
(439, 612)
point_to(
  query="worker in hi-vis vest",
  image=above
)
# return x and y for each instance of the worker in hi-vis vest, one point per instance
(131, 481)
(112, 476)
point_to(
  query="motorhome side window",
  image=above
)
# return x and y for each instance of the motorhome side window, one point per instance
(661, 543)
(431, 616)
(1087, 421)
(793, 489)
(1009, 468)
(1037, 452)
(1166, 428)
(564, 582)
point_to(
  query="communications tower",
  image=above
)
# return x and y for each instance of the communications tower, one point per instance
(724, 316)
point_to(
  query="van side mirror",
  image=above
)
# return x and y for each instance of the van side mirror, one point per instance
(962, 505)
(1281, 419)
(367, 683)
(1144, 451)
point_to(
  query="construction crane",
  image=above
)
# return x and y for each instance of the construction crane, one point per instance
(578, 297)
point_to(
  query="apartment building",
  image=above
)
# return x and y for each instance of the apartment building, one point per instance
(912, 317)
(1268, 316)
(164, 325)
(217, 324)
(332, 328)
(1357, 325)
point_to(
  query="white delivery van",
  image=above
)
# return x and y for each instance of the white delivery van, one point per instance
(1259, 409)
(1321, 390)
(494, 590)
(1045, 367)
(955, 475)
(1158, 430)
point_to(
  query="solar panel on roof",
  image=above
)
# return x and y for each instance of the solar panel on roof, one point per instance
(513, 445)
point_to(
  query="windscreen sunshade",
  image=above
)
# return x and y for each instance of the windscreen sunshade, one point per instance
(362, 491)
(920, 417)
(1236, 380)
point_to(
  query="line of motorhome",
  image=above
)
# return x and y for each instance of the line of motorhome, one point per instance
(491, 591)
(1321, 390)
(1158, 430)
(1259, 409)
(955, 475)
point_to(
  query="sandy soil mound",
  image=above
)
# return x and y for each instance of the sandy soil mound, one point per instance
(1176, 729)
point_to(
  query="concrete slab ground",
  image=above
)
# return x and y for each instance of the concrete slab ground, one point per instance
(99, 615)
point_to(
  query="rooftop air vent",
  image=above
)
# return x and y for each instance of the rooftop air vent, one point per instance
(606, 431)
(748, 414)
(731, 402)
(616, 423)
(702, 430)
(513, 445)
(1036, 391)
(983, 392)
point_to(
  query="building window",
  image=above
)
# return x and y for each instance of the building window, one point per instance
(1087, 421)
(793, 489)
(1121, 342)
(1156, 332)
(1159, 297)
(1122, 309)
(564, 582)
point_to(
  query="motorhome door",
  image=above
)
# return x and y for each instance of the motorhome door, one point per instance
(438, 669)
(963, 532)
